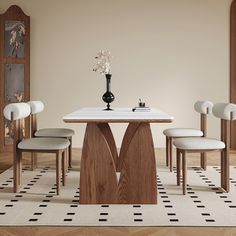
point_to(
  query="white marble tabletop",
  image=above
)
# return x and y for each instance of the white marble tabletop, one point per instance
(119, 115)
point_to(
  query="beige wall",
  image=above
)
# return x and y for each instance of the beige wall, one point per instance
(168, 52)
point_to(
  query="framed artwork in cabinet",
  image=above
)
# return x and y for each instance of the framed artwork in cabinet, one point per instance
(14, 67)
(14, 39)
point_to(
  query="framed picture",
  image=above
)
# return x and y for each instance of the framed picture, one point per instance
(14, 39)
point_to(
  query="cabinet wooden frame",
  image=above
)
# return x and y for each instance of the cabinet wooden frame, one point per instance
(232, 87)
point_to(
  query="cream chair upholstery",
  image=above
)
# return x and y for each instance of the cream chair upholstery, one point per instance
(198, 143)
(44, 144)
(16, 112)
(36, 107)
(226, 112)
(182, 132)
(55, 132)
(202, 107)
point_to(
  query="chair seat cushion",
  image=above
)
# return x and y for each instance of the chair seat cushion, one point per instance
(199, 143)
(44, 144)
(55, 132)
(182, 132)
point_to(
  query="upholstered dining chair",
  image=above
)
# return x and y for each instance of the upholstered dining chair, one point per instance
(16, 112)
(202, 107)
(226, 112)
(36, 107)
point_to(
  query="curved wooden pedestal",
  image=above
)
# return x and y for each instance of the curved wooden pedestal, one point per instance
(98, 181)
(137, 166)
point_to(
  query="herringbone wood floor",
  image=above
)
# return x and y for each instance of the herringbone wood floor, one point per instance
(213, 159)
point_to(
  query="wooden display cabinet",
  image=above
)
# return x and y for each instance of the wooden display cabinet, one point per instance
(14, 67)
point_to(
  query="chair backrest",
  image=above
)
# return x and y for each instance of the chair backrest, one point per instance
(36, 107)
(226, 112)
(16, 112)
(204, 108)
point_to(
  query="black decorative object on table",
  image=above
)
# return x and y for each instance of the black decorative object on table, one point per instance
(103, 66)
(141, 107)
(141, 104)
(108, 96)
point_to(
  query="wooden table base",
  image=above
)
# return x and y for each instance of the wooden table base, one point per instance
(136, 163)
(98, 181)
(137, 184)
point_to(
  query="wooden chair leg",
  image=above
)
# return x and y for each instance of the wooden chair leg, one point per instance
(34, 161)
(15, 172)
(64, 167)
(225, 181)
(178, 166)
(167, 151)
(222, 177)
(58, 171)
(226, 176)
(203, 160)
(225, 137)
(20, 169)
(170, 153)
(184, 166)
(67, 159)
(70, 153)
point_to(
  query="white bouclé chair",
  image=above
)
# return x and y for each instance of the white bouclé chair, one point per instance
(16, 113)
(202, 107)
(36, 107)
(226, 112)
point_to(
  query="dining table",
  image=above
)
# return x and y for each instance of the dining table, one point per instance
(109, 177)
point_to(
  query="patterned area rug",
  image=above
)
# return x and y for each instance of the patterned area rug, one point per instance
(204, 205)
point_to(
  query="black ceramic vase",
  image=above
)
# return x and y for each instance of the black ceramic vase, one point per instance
(108, 96)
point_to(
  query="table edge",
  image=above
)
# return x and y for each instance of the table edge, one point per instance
(117, 120)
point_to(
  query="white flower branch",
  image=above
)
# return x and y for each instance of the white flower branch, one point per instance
(103, 65)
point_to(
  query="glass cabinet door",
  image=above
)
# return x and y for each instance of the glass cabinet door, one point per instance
(14, 92)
